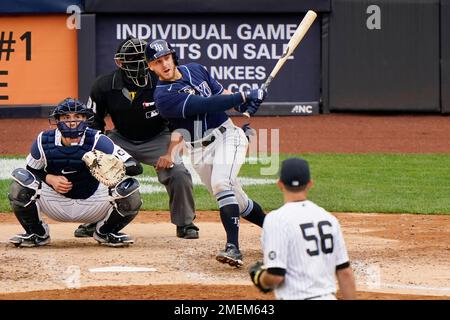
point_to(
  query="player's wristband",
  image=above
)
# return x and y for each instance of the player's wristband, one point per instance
(257, 281)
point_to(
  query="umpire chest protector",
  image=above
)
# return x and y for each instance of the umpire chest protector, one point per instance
(66, 161)
(132, 109)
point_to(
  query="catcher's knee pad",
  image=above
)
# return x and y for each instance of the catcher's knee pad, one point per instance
(24, 189)
(127, 198)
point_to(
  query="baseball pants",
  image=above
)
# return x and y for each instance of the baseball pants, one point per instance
(59, 208)
(218, 164)
(177, 180)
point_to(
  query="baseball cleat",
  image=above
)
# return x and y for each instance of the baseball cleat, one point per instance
(113, 239)
(230, 255)
(26, 240)
(85, 230)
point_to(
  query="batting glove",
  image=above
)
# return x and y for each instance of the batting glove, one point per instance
(250, 107)
(255, 95)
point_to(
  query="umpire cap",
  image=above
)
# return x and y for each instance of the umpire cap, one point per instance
(295, 172)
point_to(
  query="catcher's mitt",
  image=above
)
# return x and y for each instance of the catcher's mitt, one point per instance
(255, 272)
(106, 168)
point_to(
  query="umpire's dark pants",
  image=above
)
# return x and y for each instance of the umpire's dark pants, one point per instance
(177, 180)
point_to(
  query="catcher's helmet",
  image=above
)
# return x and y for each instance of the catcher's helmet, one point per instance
(68, 106)
(158, 49)
(130, 57)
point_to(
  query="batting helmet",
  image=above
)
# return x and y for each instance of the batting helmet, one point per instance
(69, 106)
(130, 57)
(158, 49)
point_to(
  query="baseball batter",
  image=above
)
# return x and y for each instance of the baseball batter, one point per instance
(303, 245)
(194, 104)
(56, 182)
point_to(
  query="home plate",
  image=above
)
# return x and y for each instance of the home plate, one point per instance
(122, 269)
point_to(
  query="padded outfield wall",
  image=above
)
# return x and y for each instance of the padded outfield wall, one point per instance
(383, 55)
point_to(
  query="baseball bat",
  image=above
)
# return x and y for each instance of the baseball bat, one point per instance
(299, 33)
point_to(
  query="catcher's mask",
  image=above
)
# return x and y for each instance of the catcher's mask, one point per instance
(71, 106)
(130, 57)
(158, 49)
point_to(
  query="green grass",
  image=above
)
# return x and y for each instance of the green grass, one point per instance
(388, 183)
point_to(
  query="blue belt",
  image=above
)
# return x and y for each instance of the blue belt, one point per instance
(207, 142)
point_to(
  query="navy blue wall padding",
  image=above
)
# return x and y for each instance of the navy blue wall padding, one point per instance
(38, 6)
(206, 6)
(445, 55)
(86, 56)
(395, 68)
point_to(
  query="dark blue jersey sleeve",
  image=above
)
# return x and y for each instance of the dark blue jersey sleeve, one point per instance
(170, 102)
(105, 144)
(35, 153)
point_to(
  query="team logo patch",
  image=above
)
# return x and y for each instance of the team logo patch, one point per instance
(272, 255)
(147, 104)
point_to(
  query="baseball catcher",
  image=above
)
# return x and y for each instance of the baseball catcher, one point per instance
(75, 174)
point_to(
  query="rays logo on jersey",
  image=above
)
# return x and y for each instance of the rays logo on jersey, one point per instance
(204, 89)
(188, 90)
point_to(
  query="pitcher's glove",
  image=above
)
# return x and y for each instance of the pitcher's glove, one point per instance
(255, 272)
(106, 168)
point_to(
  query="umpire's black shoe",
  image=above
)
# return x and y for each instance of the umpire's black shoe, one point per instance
(188, 232)
(29, 240)
(230, 255)
(113, 239)
(85, 230)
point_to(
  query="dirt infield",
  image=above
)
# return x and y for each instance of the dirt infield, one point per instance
(394, 256)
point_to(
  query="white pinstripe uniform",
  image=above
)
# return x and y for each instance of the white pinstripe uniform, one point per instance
(58, 207)
(306, 241)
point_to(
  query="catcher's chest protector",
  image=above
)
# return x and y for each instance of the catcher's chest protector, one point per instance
(66, 161)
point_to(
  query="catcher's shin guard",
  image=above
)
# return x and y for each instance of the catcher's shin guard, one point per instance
(23, 192)
(127, 202)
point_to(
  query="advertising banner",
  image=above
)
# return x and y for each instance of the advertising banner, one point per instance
(38, 60)
(239, 51)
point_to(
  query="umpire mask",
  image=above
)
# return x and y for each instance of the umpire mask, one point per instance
(130, 57)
